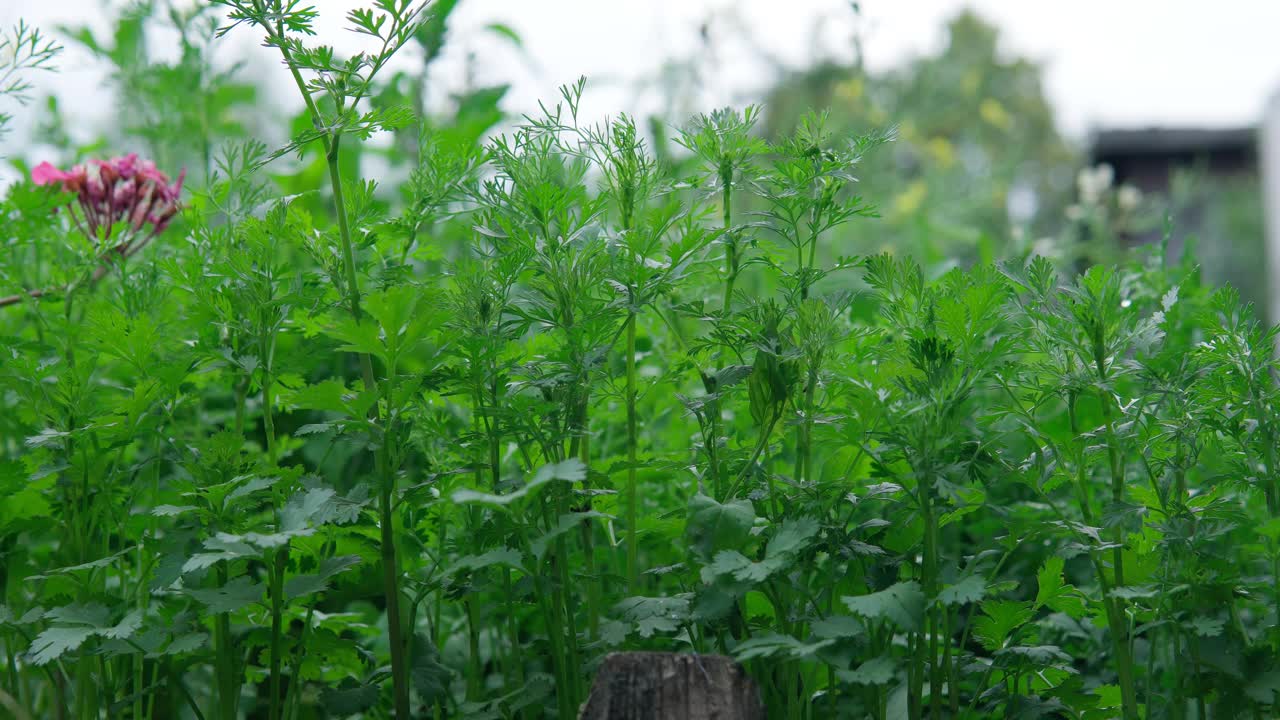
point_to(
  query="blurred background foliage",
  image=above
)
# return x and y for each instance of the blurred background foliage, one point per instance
(979, 165)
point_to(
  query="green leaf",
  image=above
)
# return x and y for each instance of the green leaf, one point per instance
(247, 485)
(1135, 592)
(349, 699)
(54, 642)
(902, 604)
(564, 524)
(1036, 655)
(1206, 626)
(1265, 688)
(403, 316)
(333, 396)
(301, 585)
(509, 557)
(877, 671)
(305, 507)
(95, 615)
(792, 537)
(1052, 592)
(430, 677)
(223, 549)
(713, 526)
(91, 565)
(313, 507)
(650, 615)
(999, 620)
(236, 594)
(769, 645)
(356, 337)
(268, 541)
(738, 566)
(506, 32)
(189, 642)
(837, 627)
(613, 633)
(571, 470)
(971, 589)
(126, 628)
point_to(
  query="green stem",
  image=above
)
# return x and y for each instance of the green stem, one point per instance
(390, 562)
(475, 683)
(633, 525)
(224, 647)
(594, 601)
(761, 444)
(277, 566)
(1115, 616)
(927, 654)
(1117, 481)
(731, 243)
(295, 687)
(280, 559)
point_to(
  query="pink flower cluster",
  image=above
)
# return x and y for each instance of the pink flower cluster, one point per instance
(121, 190)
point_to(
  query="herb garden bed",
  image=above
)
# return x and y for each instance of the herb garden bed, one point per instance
(316, 447)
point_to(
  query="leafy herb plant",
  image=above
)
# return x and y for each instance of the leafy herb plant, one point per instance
(286, 441)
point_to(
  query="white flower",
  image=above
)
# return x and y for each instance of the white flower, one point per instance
(1093, 182)
(1045, 247)
(1128, 198)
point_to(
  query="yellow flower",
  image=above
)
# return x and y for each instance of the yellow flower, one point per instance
(994, 113)
(910, 200)
(942, 151)
(850, 90)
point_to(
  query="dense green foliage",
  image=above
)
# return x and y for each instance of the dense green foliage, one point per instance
(320, 449)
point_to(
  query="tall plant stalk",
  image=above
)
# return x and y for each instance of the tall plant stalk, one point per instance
(632, 500)
(398, 640)
(331, 141)
(1119, 628)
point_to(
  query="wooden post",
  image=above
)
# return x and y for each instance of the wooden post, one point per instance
(672, 686)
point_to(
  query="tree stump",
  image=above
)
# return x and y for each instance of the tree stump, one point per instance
(671, 686)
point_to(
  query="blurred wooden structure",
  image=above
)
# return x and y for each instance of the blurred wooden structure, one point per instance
(1147, 158)
(672, 686)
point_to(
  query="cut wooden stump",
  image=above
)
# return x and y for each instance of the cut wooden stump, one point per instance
(672, 686)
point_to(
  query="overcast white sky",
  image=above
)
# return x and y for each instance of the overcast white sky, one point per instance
(1108, 62)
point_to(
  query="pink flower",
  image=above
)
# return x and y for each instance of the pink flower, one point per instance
(120, 191)
(46, 174)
